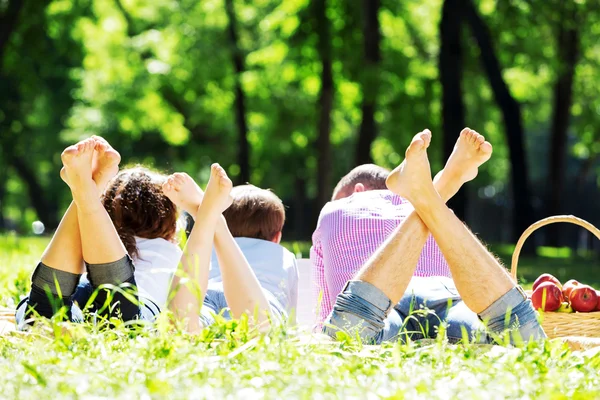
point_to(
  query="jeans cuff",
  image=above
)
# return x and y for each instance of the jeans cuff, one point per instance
(506, 303)
(48, 278)
(113, 273)
(373, 295)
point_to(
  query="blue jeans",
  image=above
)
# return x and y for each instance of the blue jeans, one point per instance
(215, 303)
(364, 309)
(52, 289)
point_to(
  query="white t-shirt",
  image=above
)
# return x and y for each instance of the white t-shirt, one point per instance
(154, 268)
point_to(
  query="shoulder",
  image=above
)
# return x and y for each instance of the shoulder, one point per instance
(157, 245)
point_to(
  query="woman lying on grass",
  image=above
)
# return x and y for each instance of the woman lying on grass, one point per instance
(131, 221)
(241, 290)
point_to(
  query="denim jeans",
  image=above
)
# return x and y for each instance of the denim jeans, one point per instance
(215, 303)
(364, 309)
(52, 289)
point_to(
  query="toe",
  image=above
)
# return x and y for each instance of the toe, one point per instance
(486, 147)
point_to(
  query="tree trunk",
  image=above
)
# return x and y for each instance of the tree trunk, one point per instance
(240, 98)
(325, 104)
(370, 81)
(450, 67)
(45, 206)
(568, 54)
(3, 179)
(8, 22)
(511, 112)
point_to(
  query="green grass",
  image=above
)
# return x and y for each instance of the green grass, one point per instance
(229, 360)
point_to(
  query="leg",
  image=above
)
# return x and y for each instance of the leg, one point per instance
(241, 287)
(105, 255)
(385, 277)
(392, 266)
(484, 285)
(186, 303)
(62, 261)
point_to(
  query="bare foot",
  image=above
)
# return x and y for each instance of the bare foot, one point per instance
(218, 191)
(182, 190)
(470, 152)
(77, 160)
(414, 173)
(105, 164)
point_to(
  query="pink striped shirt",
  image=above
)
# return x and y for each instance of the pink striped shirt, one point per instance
(349, 231)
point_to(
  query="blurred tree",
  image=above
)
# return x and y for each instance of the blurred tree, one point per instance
(513, 124)
(35, 65)
(243, 158)
(324, 104)
(567, 57)
(450, 67)
(369, 80)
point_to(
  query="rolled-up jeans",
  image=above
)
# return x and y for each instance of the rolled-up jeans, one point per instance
(215, 303)
(52, 289)
(428, 302)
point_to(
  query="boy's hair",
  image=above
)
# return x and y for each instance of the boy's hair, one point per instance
(370, 175)
(255, 213)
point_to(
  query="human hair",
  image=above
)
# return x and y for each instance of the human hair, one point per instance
(255, 213)
(137, 206)
(371, 176)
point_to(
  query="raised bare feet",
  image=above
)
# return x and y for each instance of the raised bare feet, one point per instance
(77, 161)
(217, 197)
(105, 163)
(414, 173)
(182, 190)
(470, 152)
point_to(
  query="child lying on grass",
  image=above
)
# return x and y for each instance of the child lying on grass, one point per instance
(240, 291)
(111, 225)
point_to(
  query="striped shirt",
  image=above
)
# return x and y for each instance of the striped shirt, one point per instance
(349, 231)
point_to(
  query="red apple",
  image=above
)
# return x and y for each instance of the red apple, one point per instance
(568, 287)
(546, 278)
(583, 298)
(547, 297)
(598, 294)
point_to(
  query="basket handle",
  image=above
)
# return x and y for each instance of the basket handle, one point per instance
(547, 221)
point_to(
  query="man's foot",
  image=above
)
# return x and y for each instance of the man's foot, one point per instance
(414, 174)
(77, 161)
(470, 152)
(183, 191)
(105, 164)
(217, 197)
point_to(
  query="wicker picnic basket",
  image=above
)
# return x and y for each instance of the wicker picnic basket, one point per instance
(554, 323)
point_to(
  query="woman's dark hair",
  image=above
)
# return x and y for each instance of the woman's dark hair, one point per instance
(137, 206)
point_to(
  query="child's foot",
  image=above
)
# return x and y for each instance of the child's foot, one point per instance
(217, 196)
(105, 163)
(414, 174)
(77, 160)
(183, 191)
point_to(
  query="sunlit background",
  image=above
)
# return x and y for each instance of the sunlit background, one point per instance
(292, 94)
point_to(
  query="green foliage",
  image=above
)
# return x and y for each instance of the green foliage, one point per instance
(157, 80)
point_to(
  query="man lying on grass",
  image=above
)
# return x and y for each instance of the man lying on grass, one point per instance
(378, 304)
